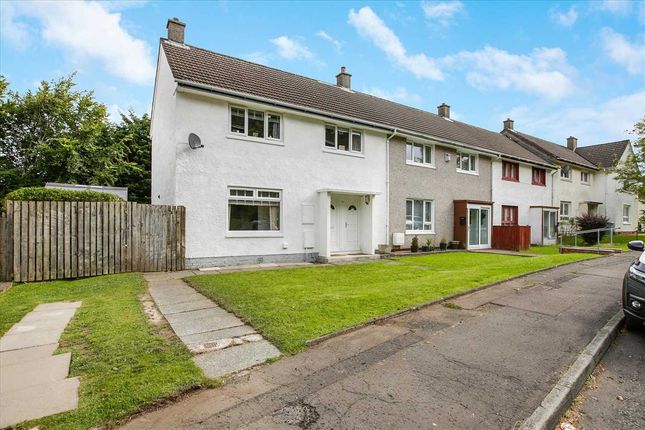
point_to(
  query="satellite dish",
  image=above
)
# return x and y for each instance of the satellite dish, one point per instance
(194, 141)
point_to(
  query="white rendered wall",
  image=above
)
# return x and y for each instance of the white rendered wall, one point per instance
(576, 192)
(162, 132)
(522, 194)
(614, 200)
(299, 168)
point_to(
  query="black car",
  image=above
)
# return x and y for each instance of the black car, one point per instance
(634, 289)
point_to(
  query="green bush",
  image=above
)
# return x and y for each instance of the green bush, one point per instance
(53, 194)
(590, 222)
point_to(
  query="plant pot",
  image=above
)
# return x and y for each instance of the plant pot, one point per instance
(443, 246)
(414, 248)
(384, 249)
(425, 248)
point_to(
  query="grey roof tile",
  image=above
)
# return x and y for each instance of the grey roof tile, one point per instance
(604, 155)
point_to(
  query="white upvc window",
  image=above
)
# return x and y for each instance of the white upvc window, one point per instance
(565, 173)
(419, 216)
(255, 123)
(584, 177)
(626, 217)
(467, 162)
(254, 210)
(343, 139)
(565, 210)
(419, 154)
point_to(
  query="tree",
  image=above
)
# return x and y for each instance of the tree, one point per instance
(60, 134)
(631, 174)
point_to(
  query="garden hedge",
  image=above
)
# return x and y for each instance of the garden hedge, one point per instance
(54, 194)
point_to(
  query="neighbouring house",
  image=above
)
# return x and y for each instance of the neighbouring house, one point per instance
(119, 191)
(583, 182)
(621, 208)
(440, 183)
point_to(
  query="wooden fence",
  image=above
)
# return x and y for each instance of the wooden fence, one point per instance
(512, 237)
(59, 240)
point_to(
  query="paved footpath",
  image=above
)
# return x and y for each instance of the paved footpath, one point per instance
(33, 382)
(222, 342)
(486, 365)
(618, 401)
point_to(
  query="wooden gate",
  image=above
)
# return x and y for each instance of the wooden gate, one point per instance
(59, 240)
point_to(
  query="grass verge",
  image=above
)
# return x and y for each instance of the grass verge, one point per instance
(125, 364)
(291, 306)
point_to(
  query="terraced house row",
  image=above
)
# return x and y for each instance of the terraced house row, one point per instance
(273, 166)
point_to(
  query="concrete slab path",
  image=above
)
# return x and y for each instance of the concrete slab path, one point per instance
(33, 382)
(222, 342)
(485, 366)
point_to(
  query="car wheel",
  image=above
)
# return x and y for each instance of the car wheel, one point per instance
(632, 323)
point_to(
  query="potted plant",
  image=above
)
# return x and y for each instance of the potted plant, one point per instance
(414, 246)
(428, 246)
(443, 245)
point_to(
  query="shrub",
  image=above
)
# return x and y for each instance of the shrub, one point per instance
(590, 222)
(53, 194)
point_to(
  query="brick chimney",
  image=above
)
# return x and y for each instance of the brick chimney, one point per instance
(176, 30)
(572, 143)
(508, 124)
(444, 110)
(344, 79)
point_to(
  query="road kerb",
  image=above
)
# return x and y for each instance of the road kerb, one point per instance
(546, 416)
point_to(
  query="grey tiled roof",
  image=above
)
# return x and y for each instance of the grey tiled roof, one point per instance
(203, 67)
(551, 152)
(604, 155)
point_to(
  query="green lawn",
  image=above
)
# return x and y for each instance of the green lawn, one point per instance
(291, 306)
(125, 363)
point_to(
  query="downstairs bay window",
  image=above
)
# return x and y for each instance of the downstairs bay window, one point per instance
(254, 210)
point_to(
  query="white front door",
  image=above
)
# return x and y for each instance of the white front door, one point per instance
(344, 226)
(479, 221)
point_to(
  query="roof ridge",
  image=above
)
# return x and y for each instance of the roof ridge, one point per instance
(625, 141)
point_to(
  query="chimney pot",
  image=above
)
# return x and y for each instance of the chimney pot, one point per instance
(444, 110)
(508, 124)
(175, 30)
(572, 143)
(344, 79)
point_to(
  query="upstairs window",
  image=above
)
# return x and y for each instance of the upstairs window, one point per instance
(539, 176)
(510, 171)
(509, 215)
(584, 177)
(466, 162)
(343, 139)
(417, 153)
(565, 173)
(251, 209)
(255, 123)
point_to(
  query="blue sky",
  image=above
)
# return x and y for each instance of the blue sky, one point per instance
(556, 68)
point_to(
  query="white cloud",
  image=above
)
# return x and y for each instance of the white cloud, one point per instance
(291, 49)
(16, 32)
(399, 94)
(591, 124)
(442, 11)
(257, 57)
(565, 19)
(323, 35)
(618, 7)
(88, 31)
(370, 26)
(622, 52)
(544, 72)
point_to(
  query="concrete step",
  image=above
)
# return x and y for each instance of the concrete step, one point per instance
(38, 372)
(349, 258)
(38, 401)
(236, 358)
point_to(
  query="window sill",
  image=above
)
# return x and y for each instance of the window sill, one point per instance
(427, 166)
(420, 232)
(565, 179)
(537, 184)
(345, 153)
(255, 139)
(510, 179)
(627, 223)
(468, 172)
(585, 183)
(254, 234)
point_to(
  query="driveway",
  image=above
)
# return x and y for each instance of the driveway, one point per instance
(486, 365)
(617, 400)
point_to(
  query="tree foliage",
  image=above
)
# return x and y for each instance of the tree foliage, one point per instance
(631, 174)
(59, 134)
(589, 221)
